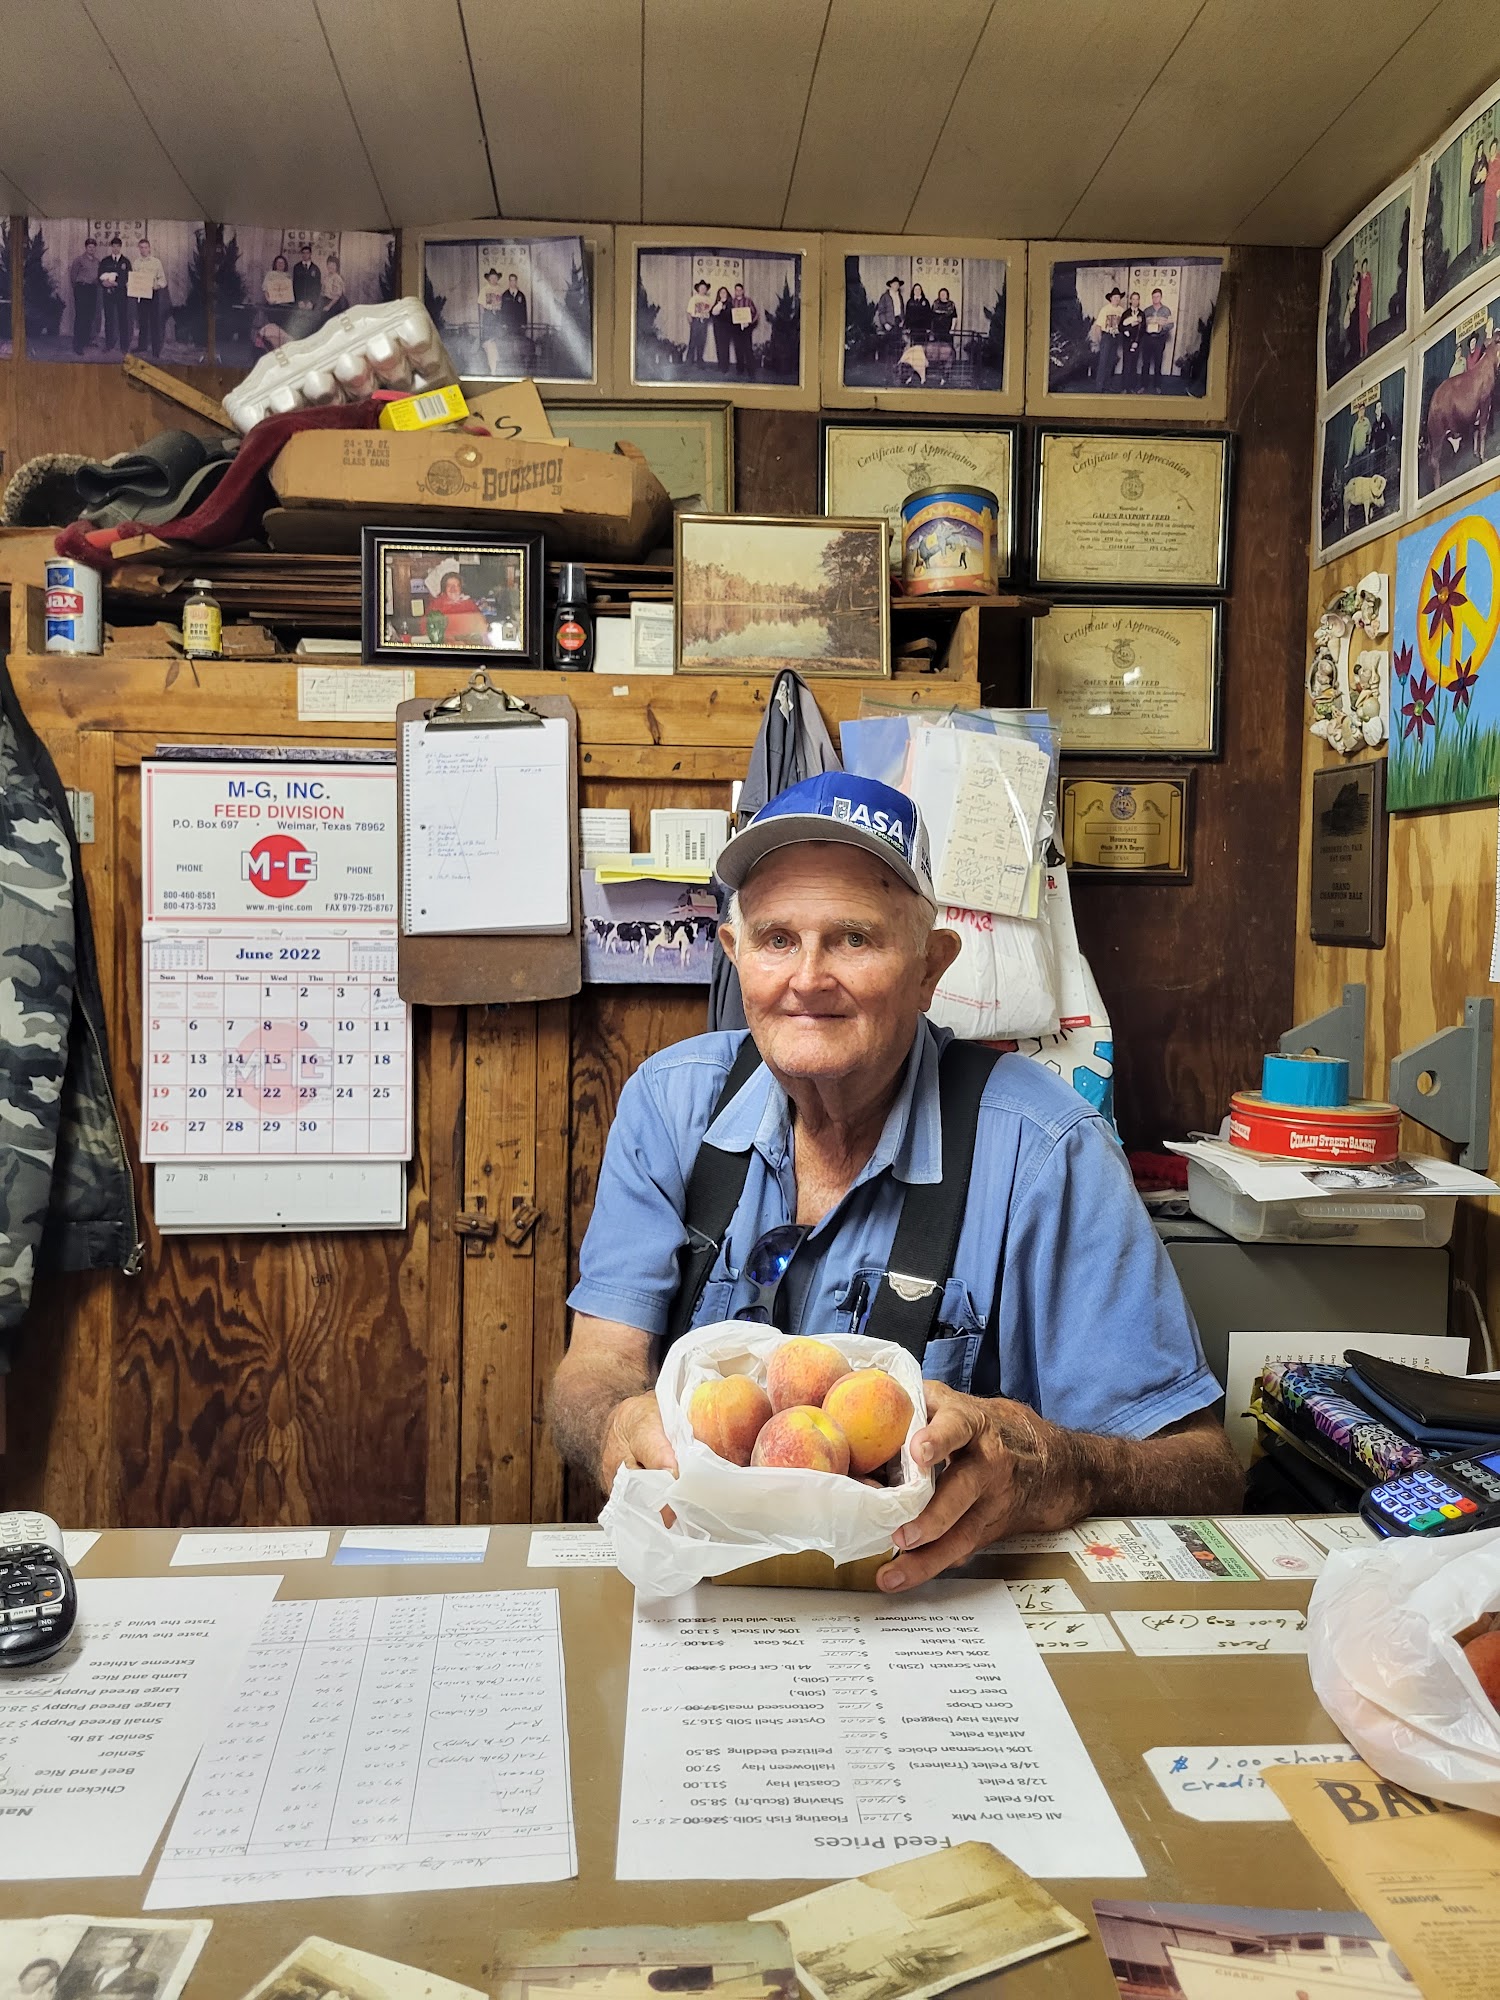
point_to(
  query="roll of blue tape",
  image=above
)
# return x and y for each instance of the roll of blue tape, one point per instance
(1314, 1082)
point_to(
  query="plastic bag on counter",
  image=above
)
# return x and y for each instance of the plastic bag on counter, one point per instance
(727, 1516)
(1387, 1665)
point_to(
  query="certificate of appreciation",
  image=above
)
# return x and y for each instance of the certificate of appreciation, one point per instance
(1130, 679)
(1131, 510)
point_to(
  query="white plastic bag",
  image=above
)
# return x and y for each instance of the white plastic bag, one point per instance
(730, 1515)
(1387, 1668)
(1001, 987)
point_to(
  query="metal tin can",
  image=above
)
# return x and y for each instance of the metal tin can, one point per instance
(949, 540)
(73, 608)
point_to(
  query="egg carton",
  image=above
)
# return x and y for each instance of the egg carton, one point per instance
(394, 346)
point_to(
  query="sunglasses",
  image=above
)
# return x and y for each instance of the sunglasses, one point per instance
(767, 1263)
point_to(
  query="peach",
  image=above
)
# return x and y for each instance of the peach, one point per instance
(804, 1437)
(874, 1412)
(1483, 1655)
(802, 1371)
(728, 1416)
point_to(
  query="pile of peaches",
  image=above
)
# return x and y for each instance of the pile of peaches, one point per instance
(815, 1412)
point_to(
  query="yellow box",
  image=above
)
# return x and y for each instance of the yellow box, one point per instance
(425, 410)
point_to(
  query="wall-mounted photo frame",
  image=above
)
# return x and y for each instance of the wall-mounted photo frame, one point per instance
(1131, 679)
(1350, 836)
(868, 465)
(520, 300)
(1118, 329)
(1367, 295)
(1360, 489)
(272, 285)
(1458, 208)
(1453, 403)
(753, 593)
(1133, 823)
(924, 323)
(449, 594)
(689, 446)
(707, 312)
(99, 290)
(1131, 510)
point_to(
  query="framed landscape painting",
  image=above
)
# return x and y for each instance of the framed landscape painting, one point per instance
(756, 593)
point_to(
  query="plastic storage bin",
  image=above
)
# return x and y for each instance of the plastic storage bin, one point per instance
(1368, 1221)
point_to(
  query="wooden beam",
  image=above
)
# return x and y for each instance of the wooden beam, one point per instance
(162, 382)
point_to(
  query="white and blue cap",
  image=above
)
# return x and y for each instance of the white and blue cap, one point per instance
(837, 806)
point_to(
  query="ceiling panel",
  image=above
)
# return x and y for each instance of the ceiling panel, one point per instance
(1442, 68)
(725, 92)
(886, 75)
(406, 71)
(1244, 91)
(253, 112)
(71, 135)
(12, 199)
(1051, 85)
(560, 88)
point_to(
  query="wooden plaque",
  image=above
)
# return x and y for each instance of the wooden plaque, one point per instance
(1350, 834)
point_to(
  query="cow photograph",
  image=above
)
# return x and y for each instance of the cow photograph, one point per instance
(1457, 441)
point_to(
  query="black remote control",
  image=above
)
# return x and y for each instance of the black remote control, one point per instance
(38, 1598)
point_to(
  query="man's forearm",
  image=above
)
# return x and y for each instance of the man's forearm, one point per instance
(1189, 1468)
(586, 1391)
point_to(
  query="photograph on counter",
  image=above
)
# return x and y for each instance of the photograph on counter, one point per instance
(1455, 373)
(657, 933)
(321, 1970)
(276, 285)
(1122, 322)
(1192, 1951)
(689, 446)
(99, 290)
(1132, 825)
(451, 594)
(1131, 510)
(755, 593)
(745, 1961)
(1366, 286)
(871, 465)
(732, 315)
(513, 307)
(76, 1958)
(1359, 491)
(921, 323)
(1444, 705)
(1458, 200)
(1130, 679)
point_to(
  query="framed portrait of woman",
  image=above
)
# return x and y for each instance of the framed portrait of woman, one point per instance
(924, 323)
(1457, 209)
(1366, 293)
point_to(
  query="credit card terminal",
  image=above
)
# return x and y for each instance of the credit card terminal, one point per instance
(1441, 1496)
(38, 1598)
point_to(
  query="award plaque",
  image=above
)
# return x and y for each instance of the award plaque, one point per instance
(1130, 679)
(1349, 836)
(1130, 827)
(1132, 510)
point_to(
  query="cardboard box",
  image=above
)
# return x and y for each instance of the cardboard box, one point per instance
(605, 505)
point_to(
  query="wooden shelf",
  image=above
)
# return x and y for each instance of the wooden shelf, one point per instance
(1028, 606)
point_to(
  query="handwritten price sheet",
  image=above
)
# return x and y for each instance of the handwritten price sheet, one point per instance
(1223, 1780)
(1152, 1633)
(380, 1744)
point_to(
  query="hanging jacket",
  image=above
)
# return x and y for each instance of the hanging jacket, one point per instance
(67, 1202)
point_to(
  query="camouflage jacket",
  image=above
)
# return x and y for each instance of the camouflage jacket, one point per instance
(67, 1202)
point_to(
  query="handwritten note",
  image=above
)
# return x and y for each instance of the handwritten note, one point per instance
(368, 694)
(988, 857)
(1044, 1593)
(1337, 1531)
(1160, 1632)
(1041, 1542)
(250, 1545)
(570, 1548)
(380, 1744)
(1072, 1632)
(1223, 1781)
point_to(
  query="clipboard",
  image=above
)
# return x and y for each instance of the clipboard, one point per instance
(478, 968)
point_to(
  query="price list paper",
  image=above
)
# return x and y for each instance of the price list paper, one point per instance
(776, 1735)
(381, 1744)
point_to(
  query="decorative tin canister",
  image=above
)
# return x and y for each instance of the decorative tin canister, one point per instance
(948, 540)
(72, 608)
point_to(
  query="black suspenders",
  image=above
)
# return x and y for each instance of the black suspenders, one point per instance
(926, 1242)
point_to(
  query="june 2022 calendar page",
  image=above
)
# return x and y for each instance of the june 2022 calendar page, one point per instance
(273, 1027)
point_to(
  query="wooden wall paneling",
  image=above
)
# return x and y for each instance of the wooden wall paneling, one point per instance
(549, 1264)
(92, 408)
(441, 1108)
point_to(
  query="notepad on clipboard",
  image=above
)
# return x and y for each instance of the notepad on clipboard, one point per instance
(485, 832)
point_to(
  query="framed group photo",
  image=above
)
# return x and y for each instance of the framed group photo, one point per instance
(95, 291)
(1453, 440)
(1122, 510)
(449, 594)
(1130, 680)
(521, 300)
(274, 285)
(729, 314)
(1117, 328)
(1458, 201)
(869, 465)
(1359, 487)
(1367, 287)
(923, 323)
(755, 593)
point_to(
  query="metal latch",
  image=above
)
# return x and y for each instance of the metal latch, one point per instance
(81, 806)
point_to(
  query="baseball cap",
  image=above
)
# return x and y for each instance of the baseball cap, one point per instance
(836, 805)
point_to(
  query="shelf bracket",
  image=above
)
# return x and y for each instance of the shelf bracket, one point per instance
(1339, 1032)
(1444, 1083)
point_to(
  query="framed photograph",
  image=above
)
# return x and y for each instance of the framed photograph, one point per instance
(1350, 835)
(276, 285)
(1367, 289)
(868, 465)
(1360, 491)
(1132, 825)
(689, 446)
(1458, 199)
(1130, 680)
(924, 323)
(451, 595)
(754, 593)
(99, 290)
(520, 300)
(1111, 322)
(1131, 510)
(722, 313)
(1453, 436)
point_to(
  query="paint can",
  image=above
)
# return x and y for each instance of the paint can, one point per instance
(949, 540)
(72, 608)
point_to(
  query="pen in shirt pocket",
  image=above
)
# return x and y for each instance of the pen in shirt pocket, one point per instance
(859, 1299)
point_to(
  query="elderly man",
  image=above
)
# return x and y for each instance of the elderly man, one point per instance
(1064, 1371)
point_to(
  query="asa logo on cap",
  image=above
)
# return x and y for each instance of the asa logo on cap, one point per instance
(885, 824)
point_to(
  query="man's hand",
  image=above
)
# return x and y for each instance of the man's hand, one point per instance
(634, 1437)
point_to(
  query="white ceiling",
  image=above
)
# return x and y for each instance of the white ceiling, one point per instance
(1255, 121)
